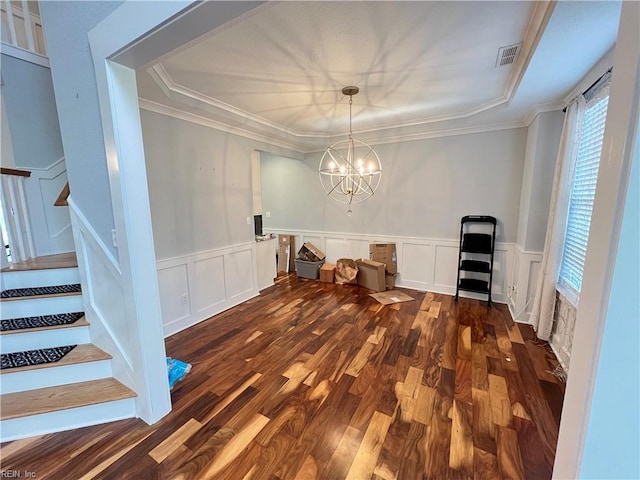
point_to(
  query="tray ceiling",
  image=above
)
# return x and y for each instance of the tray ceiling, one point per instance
(282, 66)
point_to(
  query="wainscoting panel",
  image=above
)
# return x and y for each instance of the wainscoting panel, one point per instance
(525, 278)
(445, 272)
(336, 248)
(210, 282)
(103, 298)
(209, 287)
(174, 279)
(238, 269)
(51, 226)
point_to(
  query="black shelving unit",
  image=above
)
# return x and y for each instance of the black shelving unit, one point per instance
(476, 255)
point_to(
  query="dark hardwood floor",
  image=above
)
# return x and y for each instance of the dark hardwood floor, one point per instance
(319, 381)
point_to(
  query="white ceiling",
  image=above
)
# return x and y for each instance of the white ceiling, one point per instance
(280, 69)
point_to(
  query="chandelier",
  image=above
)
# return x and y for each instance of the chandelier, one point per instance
(350, 170)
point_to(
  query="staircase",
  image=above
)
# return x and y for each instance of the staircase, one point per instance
(74, 391)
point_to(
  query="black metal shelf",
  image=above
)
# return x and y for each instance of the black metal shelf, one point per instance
(476, 244)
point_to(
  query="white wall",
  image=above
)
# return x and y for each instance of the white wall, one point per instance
(31, 112)
(66, 25)
(543, 140)
(200, 193)
(6, 149)
(426, 187)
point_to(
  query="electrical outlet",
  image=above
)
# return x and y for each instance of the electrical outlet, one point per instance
(184, 299)
(268, 214)
(248, 220)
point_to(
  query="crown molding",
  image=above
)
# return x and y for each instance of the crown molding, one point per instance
(173, 112)
(536, 110)
(538, 22)
(155, 107)
(445, 132)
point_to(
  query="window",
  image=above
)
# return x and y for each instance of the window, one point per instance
(583, 189)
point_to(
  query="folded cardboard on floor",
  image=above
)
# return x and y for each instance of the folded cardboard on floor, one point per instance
(371, 275)
(310, 253)
(385, 253)
(391, 296)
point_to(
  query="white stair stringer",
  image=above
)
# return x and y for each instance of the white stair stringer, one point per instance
(68, 419)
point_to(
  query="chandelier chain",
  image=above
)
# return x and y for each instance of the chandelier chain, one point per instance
(350, 102)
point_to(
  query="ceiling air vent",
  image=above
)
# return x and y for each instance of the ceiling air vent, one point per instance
(508, 55)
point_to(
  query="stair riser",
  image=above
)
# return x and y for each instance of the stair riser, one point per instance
(40, 278)
(63, 420)
(20, 342)
(35, 306)
(52, 376)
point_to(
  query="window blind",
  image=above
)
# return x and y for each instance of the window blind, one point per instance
(583, 189)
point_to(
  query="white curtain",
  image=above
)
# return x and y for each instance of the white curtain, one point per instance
(544, 300)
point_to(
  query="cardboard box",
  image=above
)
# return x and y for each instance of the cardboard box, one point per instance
(390, 280)
(310, 253)
(371, 275)
(385, 253)
(286, 253)
(306, 269)
(327, 272)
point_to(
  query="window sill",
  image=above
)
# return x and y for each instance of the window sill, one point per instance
(568, 293)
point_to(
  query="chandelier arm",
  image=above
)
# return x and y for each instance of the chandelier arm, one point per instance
(332, 150)
(336, 186)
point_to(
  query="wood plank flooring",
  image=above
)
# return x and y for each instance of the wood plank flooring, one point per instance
(319, 381)
(60, 260)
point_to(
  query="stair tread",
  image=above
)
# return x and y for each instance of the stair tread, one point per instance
(81, 322)
(76, 291)
(61, 260)
(83, 353)
(62, 397)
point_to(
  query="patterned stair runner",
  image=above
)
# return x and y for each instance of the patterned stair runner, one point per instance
(33, 357)
(41, 321)
(31, 292)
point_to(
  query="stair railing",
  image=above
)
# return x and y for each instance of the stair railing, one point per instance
(22, 26)
(15, 215)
